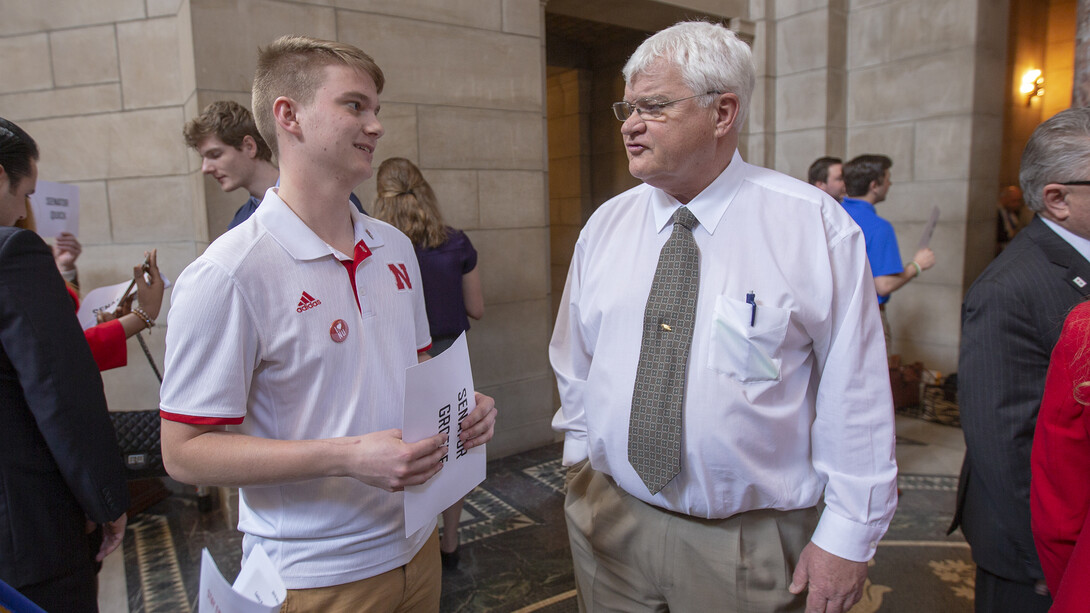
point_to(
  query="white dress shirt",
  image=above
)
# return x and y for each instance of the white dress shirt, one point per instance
(776, 413)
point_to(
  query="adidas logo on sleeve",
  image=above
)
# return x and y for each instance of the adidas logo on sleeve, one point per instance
(307, 302)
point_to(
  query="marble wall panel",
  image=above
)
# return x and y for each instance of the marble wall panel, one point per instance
(788, 8)
(514, 263)
(162, 8)
(427, 62)
(868, 35)
(801, 101)
(151, 209)
(458, 194)
(94, 213)
(913, 88)
(478, 138)
(21, 16)
(131, 144)
(894, 140)
(26, 63)
(928, 26)
(512, 198)
(913, 200)
(510, 342)
(757, 119)
(919, 312)
(227, 34)
(523, 17)
(484, 14)
(84, 100)
(84, 56)
(187, 72)
(795, 151)
(148, 53)
(401, 138)
(802, 42)
(941, 151)
(525, 412)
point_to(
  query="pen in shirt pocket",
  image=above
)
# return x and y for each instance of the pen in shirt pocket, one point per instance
(751, 300)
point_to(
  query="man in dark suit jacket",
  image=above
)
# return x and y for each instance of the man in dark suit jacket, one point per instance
(1011, 319)
(61, 470)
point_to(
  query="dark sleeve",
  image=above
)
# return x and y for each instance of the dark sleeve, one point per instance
(469, 254)
(60, 382)
(356, 202)
(1001, 373)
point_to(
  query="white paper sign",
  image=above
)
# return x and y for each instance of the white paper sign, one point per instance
(104, 299)
(438, 395)
(56, 208)
(258, 588)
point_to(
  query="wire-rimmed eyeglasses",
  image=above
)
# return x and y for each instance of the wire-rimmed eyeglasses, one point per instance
(648, 108)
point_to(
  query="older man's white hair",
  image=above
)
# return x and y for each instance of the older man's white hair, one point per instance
(711, 59)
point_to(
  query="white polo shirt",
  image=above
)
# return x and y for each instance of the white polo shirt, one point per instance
(265, 334)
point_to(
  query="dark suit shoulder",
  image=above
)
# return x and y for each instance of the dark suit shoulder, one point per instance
(20, 240)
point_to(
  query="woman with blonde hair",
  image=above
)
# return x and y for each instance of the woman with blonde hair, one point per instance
(448, 271)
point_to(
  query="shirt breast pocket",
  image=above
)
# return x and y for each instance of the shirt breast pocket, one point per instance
(747, 353)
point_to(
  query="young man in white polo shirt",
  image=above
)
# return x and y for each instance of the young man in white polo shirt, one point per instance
(295, 330)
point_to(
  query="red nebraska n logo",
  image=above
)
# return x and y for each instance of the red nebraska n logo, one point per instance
(401, 275)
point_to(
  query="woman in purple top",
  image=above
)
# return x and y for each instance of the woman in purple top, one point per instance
(448, 270)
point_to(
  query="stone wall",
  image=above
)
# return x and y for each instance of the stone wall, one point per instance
(918, 80)
(100, 86)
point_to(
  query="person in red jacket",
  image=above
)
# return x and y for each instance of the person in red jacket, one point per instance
(107, 339)
(1060, 485)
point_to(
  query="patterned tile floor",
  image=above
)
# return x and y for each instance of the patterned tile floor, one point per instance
(515, 550)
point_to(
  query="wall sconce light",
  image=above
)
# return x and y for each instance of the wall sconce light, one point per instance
(1033, 85)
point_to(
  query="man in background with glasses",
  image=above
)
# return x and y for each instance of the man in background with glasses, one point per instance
(1010, 321)
(720, 364)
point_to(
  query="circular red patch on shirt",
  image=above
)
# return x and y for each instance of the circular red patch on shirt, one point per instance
(338, 331)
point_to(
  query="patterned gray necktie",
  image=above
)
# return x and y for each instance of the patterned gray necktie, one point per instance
(654, 428)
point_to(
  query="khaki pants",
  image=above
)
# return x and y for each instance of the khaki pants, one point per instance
(633, 557)
(412, 588)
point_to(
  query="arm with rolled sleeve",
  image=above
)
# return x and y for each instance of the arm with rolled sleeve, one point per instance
(852, 435)
(570, 356)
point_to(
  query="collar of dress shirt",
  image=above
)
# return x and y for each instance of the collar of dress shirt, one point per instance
(1080, 244)
(299, 240)
(709, 205)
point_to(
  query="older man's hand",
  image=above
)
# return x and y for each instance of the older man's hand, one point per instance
(835, 584)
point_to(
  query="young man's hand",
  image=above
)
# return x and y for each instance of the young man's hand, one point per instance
(479, 426)
(383, 460)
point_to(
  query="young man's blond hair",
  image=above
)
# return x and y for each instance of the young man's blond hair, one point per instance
(291, 66)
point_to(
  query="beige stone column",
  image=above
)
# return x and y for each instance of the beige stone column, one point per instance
(1080, 93)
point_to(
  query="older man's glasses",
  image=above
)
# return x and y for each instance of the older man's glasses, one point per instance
(649, 108)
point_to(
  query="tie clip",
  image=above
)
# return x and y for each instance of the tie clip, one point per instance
(666, 327)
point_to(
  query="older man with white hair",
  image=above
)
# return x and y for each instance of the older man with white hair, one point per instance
(721, 364)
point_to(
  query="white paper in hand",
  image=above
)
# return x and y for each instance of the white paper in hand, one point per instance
(104, 299)
(258, 588)
(438, 395)
(56, 208)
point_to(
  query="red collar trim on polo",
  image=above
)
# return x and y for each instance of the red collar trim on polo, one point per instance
(359, 254)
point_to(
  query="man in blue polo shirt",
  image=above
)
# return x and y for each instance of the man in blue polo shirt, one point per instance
(866, 179)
